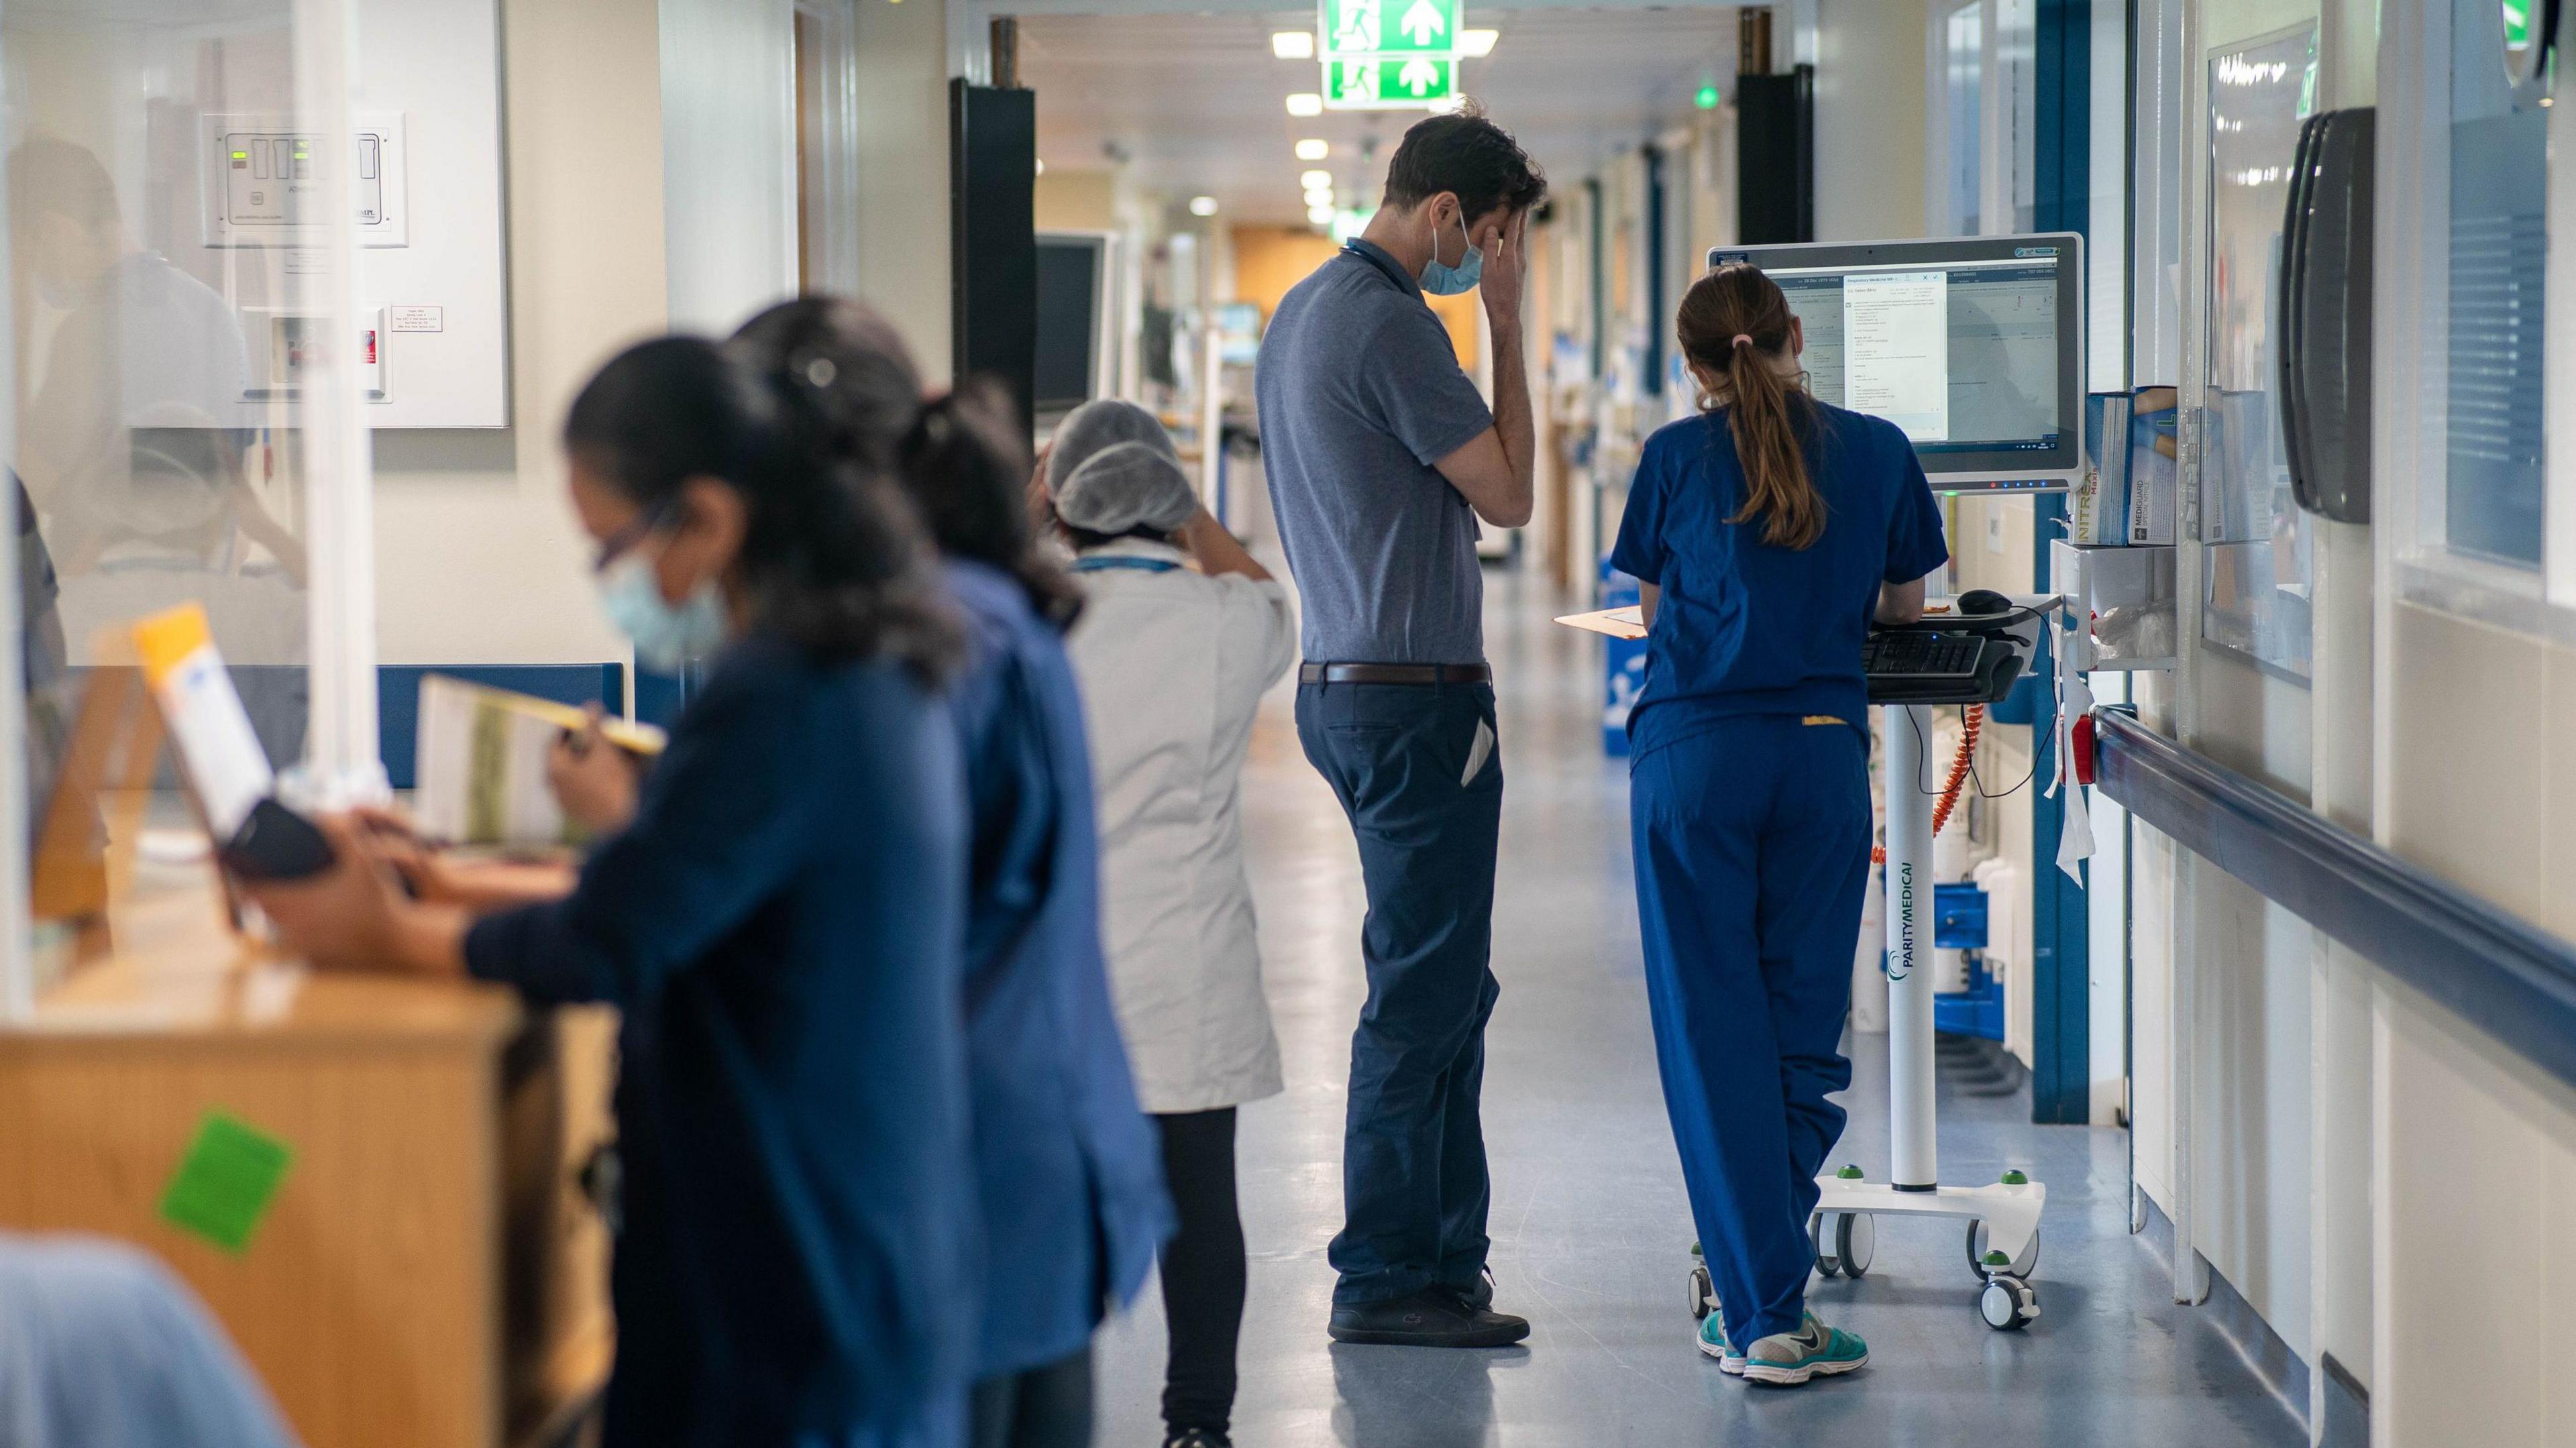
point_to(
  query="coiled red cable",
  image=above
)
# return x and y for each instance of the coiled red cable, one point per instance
(1971, 720)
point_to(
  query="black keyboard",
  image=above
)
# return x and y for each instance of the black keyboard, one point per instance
(1939, 666)
(1912, 655)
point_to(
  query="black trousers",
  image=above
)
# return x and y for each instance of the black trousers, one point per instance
(1048, 1406)
(1203, 1269)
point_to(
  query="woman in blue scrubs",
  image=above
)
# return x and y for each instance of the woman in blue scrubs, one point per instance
(781, 927)
(1766, 532)
(1069, 1167)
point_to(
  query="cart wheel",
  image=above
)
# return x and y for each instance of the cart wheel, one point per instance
(2021, 1266)
(1820, 1233)
(2007, 1303)
(1855, 1242)
(1703, 1295)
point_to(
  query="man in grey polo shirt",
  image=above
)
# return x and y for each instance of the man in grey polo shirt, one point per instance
(1381, 456)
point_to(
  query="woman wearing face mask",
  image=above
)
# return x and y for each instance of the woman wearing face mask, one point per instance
(780, 926)
(1073, 1199)
(1766, 533)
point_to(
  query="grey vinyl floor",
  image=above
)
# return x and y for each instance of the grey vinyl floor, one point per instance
(1591, 1230)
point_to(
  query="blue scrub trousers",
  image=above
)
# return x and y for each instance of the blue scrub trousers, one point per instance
(1752, 850)
(1414, 1188)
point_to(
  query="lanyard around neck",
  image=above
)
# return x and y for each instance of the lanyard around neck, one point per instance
(1122, 560)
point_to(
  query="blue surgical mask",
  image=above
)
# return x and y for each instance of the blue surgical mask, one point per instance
(666, 636)
(1442, 280)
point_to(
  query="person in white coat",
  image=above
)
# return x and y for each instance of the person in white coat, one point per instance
(1180, 634)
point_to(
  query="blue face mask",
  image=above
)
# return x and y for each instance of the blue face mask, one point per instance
(666, 637)
(1442, 280)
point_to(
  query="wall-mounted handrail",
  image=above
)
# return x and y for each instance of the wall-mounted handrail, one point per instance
(2511, 979)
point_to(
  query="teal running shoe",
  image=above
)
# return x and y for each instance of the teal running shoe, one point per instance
(1712, 1341)
(1786, 1359)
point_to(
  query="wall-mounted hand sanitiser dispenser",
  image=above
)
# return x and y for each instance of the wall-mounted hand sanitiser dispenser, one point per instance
(2324, 318)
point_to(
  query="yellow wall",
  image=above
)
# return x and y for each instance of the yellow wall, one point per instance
(1077, 201)
(1268, 260)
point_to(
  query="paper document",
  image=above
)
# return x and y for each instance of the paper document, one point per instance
(1896, 350)
(481, 765)
(1618, 623)
(208, 725)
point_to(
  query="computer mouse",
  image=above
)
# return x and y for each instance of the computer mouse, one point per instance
(1980, 601)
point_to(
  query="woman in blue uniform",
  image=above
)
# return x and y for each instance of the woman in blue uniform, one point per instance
(1069, 1167)
(1766, 532)
(780, 926)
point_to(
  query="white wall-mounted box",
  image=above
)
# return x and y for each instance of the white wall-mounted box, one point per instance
(426, 160)
(2120, 603)
(260, 171)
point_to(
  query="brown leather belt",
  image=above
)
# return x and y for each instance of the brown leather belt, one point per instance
(1394, 674)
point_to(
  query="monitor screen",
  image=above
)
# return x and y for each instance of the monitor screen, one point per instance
(1070, 277)
(1973, 346)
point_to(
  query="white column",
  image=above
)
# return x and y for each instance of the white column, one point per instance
(335, 461)
(1914, 1150)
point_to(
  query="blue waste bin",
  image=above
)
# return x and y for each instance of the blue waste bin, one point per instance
(1626, 672)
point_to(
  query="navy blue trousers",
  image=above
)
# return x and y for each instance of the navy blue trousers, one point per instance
(1752, 850)
(1414, 1188)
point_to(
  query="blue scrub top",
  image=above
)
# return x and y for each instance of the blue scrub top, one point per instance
(782, 929)
(1070, 1169)
(1748, 628)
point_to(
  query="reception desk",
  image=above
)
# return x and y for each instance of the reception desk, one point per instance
(428, 1270)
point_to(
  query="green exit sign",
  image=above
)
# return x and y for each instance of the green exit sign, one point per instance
(1387, 82)
(2517, 24)
(1389, 27)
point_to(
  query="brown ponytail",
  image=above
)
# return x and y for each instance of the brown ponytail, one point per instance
(1734, 326)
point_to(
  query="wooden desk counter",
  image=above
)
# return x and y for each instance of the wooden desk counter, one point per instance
(429, 1271)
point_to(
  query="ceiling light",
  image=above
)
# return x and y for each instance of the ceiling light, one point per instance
(1477, 44)
(1305, 103)
(1313, 150)
(1312, 179)
(1293, 44)
(1042, 168)
(1320, 215)
(1320, 196)
(1202, 206)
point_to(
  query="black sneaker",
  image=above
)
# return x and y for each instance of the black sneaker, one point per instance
(1438, 1317)
(1197, 1438)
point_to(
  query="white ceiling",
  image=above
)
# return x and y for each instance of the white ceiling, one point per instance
(1198, 103)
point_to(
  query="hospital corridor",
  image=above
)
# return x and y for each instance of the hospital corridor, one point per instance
(1288, 724)
(1586, 1189)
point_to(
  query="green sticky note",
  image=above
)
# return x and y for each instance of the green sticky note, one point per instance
(225, 1182)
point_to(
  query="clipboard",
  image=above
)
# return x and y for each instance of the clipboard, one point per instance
(1617, 623)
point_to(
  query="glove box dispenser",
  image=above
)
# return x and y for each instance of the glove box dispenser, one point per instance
(2120, 603)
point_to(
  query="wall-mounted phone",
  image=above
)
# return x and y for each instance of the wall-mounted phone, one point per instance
(263, 179)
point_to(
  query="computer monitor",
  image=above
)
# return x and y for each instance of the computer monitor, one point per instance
(1077, 320)
(1973, 345)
